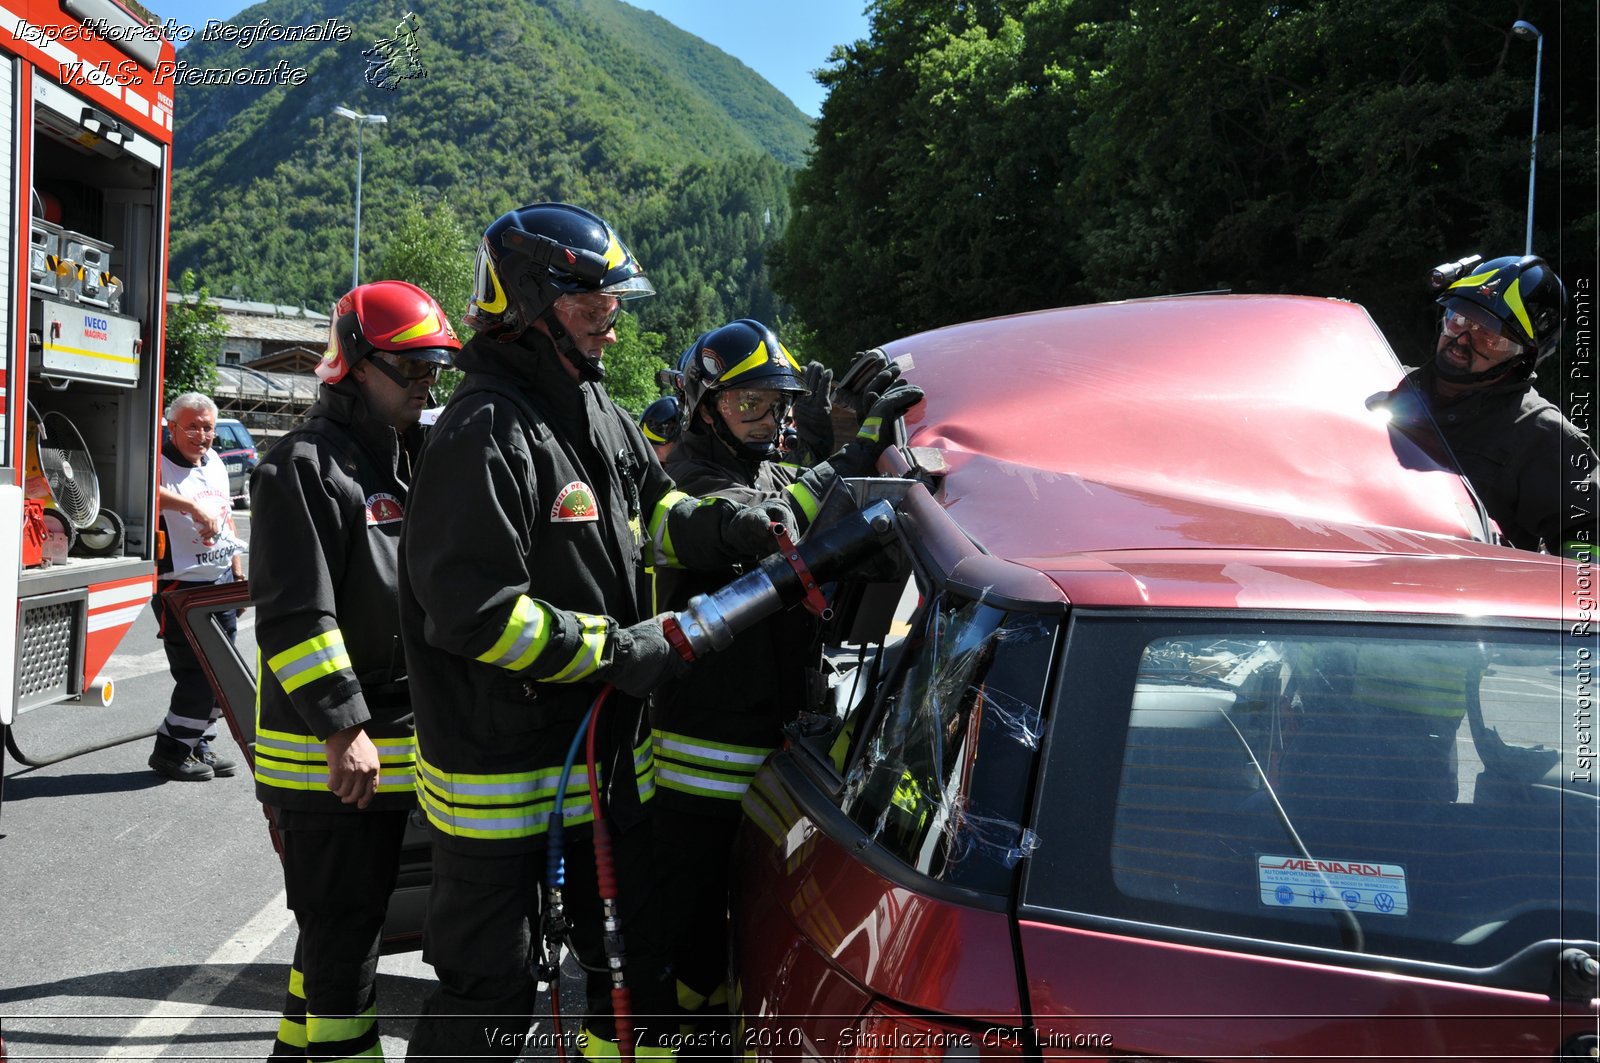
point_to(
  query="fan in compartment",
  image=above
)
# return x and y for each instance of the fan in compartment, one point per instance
(68, 469)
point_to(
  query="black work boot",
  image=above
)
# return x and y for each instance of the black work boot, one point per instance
(175, 760)
(221, 767)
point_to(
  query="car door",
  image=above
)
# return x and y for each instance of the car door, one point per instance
(1346, 839)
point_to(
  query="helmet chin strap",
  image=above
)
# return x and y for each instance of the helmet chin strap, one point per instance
(588, 369)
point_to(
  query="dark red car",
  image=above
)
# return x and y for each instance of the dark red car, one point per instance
(1204, 721)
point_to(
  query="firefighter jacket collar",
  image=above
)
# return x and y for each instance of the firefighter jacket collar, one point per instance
(1473, 400)
(531, 362)
(345, 406)
(705, 447)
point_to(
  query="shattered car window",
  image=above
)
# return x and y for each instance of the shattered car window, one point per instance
(941, 778)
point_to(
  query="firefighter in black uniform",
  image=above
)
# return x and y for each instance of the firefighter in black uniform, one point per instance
(1533, 469)
(522, 594)
(334, 745)
(714, 727)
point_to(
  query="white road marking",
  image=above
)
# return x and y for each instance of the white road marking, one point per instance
(196, 993)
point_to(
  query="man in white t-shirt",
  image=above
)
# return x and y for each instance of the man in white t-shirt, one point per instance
(201, 547)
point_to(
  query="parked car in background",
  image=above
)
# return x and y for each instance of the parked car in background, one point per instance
(1200, 718)
(237, 449)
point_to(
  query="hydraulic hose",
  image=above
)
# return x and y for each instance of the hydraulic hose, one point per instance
(555, 919)
(606, 874)
(709, 622)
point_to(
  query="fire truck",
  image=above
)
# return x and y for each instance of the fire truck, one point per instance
(85, 181)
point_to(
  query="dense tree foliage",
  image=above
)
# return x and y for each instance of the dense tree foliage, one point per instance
(631, 365)
(431, 249)
(703, 240)
(1005, 155)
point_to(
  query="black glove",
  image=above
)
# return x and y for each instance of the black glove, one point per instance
(813, 413)
(748, 533)
(865, 382)
(642, 659)
(859, 457)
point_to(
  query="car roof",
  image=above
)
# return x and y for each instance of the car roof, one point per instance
(1202, 451)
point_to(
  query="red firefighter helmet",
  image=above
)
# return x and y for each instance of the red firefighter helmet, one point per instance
(391, 316)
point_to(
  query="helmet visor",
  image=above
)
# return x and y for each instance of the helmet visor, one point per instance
(425, 360)
(1487, 334)
(749, 405)
(635, 287)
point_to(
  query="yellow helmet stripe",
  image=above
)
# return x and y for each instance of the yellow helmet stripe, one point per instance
(1513, 298)
(497, 304)
(615, 255)
(427, 325)
(788, 357)
(757, 357)
(1476, 278)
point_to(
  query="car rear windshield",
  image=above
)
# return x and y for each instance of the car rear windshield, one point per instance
(1422, 792)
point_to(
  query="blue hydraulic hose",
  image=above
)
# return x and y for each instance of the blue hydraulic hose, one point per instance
(555, 878)
(555, 871)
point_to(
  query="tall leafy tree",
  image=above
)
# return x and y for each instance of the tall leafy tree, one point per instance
(193, 336)
(704, 239)
(431, 249)
(1004, 155)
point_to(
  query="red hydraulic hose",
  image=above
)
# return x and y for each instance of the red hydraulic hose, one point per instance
(606, 873)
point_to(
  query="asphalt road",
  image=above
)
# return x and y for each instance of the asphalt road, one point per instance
(141, 918)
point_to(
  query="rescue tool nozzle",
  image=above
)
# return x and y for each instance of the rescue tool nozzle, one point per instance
(793, 574)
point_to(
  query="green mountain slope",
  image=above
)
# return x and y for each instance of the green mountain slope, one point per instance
(590, 101)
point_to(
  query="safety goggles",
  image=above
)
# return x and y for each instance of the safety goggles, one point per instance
(1482, 330)
(594, 314)
(406, 371)
(748, 405)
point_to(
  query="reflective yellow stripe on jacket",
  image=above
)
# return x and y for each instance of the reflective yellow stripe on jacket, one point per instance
(300, 762)
(306, 662)
(527, 635)
(804, 500)
(507, 805)
(705, 768)
(661, 532)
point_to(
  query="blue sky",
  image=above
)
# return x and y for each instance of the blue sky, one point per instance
(782, 40)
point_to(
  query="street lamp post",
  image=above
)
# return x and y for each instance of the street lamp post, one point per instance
(1527, 31)
(361, 120)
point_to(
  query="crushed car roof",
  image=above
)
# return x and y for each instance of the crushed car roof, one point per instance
(1075, 439)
